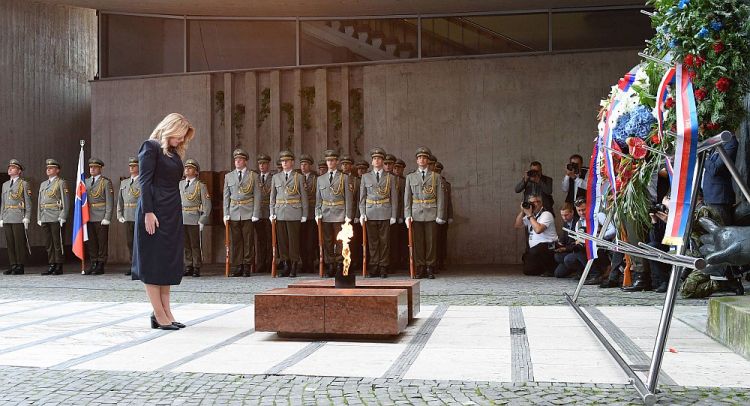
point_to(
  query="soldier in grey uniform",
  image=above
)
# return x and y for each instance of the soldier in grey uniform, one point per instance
(100, 195)
(16, 216)
(362, 168)
(322, 167)
(388, 165)
(308, 237)
(334, 205)
(442, 244)
(52, 212)
(402, 248)
(127, 199)
(242, 203)
(388, 162)
(378, 204)
(289, 205)
(263, 226)
(355, 245)
(196, 207)
(424, 209)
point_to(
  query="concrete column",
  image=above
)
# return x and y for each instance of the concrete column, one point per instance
(297, 101)
(345, 133)
(276, 113)
(320, 110)
(251, 114)
(228, 108)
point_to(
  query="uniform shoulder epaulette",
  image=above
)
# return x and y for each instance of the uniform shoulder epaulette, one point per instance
(106, 178)
(203, 183)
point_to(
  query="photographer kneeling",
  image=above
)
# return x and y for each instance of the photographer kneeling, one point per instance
(659, 271)
(541, 229)
(577, 260)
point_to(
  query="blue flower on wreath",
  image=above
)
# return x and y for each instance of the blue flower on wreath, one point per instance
(618, 132)
(703, 33)
(674, 43)
(671, 11)
(664, 28)
(717, 25)
(639, 124)
(658, 44)
(683, 4)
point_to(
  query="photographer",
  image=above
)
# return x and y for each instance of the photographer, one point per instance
(540, 226)
(577, 260)
(565, 245)
(659, 271)
(534, 182)
(574, 182)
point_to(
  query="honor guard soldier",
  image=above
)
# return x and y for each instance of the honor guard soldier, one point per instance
(289, 205)
(355, 244)
(196, 207)
(334, 205)
(52, 212)
(100, 195)
(322, 167)
(127, 199)
(362, 168)
(388, 165)
(431, 161)
(263, 226)
(388, 162)
(279, 167)
(442, 244)
(402, 248)
(242, 201)
(308, 238)
(16, 216)
(377, 208)
(424, 209)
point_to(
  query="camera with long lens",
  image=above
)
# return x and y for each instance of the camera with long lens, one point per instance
(532, 173)
(526, 205)
(573, 167)
(654, 208)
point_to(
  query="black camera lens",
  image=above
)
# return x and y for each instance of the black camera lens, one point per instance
(572, 167)
(532, 173)
(654, 208)
(526, 205)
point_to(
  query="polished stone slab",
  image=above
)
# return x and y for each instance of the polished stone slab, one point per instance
(411, 286)
(335, 312)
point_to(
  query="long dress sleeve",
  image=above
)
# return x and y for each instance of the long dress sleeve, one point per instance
(147, 158)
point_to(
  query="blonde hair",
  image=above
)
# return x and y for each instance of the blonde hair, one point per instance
(173, 125)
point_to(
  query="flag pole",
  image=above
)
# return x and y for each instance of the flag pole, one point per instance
(83, 258)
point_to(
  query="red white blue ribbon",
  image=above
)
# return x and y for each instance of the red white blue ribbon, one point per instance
(686, 158)
(661, 99)
(623, 85)
(592, 198)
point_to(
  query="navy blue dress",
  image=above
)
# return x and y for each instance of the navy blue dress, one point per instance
(157, 258)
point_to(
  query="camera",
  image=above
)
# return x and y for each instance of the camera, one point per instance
(526, 205)
(654, 208)
(532, 173)
(573, 167)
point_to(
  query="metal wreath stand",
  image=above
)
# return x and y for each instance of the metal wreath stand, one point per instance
(647, 390)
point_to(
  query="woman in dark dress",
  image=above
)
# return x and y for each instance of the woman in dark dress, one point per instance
(157, 247)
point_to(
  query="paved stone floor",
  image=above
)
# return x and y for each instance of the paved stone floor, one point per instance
(77, 339)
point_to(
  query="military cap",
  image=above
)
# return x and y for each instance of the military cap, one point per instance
(438, 167)
(240, 153)
(96, 162)
(362, 164)
(400, 163)
(377, 152)
(16, 163)
(322, 164)
(133, 161)
(192, 163)
(432, 159)
(390, 159)
(346, 159)
(278, 163)
(331, 154)
(51, 163)
(285, 155)
(306, 158)
(263, 158)
(423, 151)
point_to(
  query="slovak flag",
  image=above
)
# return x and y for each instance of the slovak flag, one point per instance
(81, 216)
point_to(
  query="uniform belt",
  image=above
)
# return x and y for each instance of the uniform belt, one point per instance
(292, 201)
(98, 204)
(49, 205)
(339, 203)
(266, 201)
(246, 201)
(131, 204)
(192, 208)
(381, 201)
(13, 207)
(424, 201)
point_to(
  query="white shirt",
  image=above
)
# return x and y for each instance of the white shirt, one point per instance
(601, 218)
(579, 183)
(52, 179)
(548, 235)
(263, 177)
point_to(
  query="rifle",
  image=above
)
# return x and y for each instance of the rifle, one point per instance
(320, 245)
(411, 248)
(364, 249)
(226, 243)
(273, 244)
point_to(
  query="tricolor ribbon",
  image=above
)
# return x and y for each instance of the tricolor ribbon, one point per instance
(685, 160)
(661, 99)
(623, 85)
(592, 198)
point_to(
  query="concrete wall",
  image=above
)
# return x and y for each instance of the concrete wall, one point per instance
(47, 57)
(485, 119)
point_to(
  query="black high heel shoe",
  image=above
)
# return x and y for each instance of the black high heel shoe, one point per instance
(155, 324)
(178, 324)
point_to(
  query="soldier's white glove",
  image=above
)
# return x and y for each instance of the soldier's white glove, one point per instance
(347, 220)
(272, 217)
(1, 223)
(200, 226)
(408, 221)
(254, 219)
(400, 221)
(26, 222)
(121, 219)
(439, 221)
(303, 219)
(62, 221)
(362, 220)
(393, 220)
(39, 222)
(318, 218)
(450, 221)
(226, 218)
(105, 222)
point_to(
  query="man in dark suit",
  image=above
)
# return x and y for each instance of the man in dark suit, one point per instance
(565, 244)
(717, 183)
(534, 182)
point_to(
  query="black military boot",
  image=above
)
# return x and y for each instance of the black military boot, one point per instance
(19, 270)
(99, 270)
(50, 270)
(383, 272)
(128, 271)
(237, 272)
(196, 272)
(430, 273)
(339, 269)
(418, 274)
(188, 271)
(642, 283)
(293, 271)
(91, 268)
(58, 269)
(246, 270)
(10, 270)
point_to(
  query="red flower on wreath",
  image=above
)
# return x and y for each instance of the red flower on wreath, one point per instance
(655, 139)
(690, 60)
(719, 46)
(692, 75)
(723, 85)
(701, 94)
(713, 126)
(699, 60)
(669, 103)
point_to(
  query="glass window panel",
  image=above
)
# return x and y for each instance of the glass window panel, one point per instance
(600, 29)
(341, 41)
(142, 45)
(478, 35)
(230, 44)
